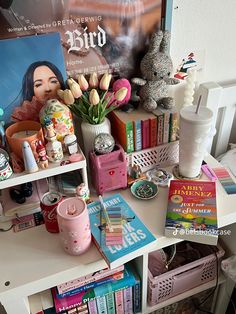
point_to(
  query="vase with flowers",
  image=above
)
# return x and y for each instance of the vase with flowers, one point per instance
(92, 101)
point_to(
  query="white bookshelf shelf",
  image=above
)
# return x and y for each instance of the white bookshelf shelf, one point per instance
(52, 170)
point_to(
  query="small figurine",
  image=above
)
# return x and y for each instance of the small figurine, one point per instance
(82, 192)
(29, 160)
(53, 147)
(50, 132)
(135, 172)
(42, 159)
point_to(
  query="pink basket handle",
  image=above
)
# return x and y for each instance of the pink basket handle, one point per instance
(188, 273)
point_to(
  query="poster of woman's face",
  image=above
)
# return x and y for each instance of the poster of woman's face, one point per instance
(32, 70)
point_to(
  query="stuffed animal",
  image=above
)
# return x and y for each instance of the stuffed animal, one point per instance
(156, 67)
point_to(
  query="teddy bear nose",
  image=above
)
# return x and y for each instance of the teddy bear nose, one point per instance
(155, 73)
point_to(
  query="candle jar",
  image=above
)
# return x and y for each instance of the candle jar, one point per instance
(195, 130)
(74, 225)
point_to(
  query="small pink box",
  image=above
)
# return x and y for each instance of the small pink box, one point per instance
(109, 171)
(74, 225)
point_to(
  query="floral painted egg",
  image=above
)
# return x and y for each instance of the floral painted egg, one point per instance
(104, 143)
(60, 116)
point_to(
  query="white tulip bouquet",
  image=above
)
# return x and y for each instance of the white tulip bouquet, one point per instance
(91, 100)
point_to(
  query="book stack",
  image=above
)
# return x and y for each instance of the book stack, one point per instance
(139, 129)
(106, 291)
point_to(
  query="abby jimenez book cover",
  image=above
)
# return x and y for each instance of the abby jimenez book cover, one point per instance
(192, 211)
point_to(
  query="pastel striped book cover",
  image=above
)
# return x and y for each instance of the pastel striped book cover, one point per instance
(101, 305)
(92, 306)
(111, 309)
(128, 302)
(119, 302)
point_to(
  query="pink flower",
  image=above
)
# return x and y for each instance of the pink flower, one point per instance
(105, 81)
(118, 84)
(83, 82)
(94, 97)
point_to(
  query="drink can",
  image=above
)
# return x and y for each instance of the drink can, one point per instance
(48, 205)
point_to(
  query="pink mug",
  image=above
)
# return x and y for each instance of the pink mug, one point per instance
(74, 225)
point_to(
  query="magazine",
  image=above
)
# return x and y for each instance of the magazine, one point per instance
(135, 233)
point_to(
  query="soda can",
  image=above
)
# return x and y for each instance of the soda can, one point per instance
(48, 205)
(74, 225)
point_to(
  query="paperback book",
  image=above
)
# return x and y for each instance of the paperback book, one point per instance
(135, 234)
(192, 211)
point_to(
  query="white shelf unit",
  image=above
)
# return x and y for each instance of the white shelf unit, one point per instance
(52, 170)
(33, 260)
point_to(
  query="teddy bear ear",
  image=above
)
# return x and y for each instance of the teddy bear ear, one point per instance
(155, 42)
(164, 46)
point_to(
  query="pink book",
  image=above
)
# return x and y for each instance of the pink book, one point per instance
(84, 280)
(92, 307)
(119, 302)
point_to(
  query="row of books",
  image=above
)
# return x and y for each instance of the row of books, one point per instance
(106, 291)
(139, 129)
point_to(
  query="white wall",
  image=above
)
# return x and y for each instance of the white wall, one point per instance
(208, 26)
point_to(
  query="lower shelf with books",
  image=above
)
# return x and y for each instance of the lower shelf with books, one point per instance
(103, 292)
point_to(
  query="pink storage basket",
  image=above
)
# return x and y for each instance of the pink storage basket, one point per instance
(176, 281)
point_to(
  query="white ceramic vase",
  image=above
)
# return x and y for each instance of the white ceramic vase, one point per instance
(90, 131)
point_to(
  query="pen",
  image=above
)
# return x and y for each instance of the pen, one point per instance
(105, 214)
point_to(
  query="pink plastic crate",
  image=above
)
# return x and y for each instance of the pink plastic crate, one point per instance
(176, 281)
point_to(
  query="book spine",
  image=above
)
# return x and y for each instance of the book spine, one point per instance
(174, 121)
(126, 282)
(118, 129)
(129, 137)
(166, 127)
(89, 279)
(92, 306)
(145, 134)
(137, 135)
(160, 125)
(137, 297)
(110, 303)
(89, 286)
(128, 300)
(119, 302)
(153, 132)
(101, 305)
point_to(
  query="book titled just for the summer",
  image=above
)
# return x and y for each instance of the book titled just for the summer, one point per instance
(192, 211)
(135, 234)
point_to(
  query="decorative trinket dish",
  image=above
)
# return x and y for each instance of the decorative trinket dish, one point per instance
(144, 189)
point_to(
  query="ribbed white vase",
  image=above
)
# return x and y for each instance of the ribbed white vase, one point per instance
(90, 131)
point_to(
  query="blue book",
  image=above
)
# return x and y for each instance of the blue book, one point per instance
(135, 233)
(137, 290)
(137, 135)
